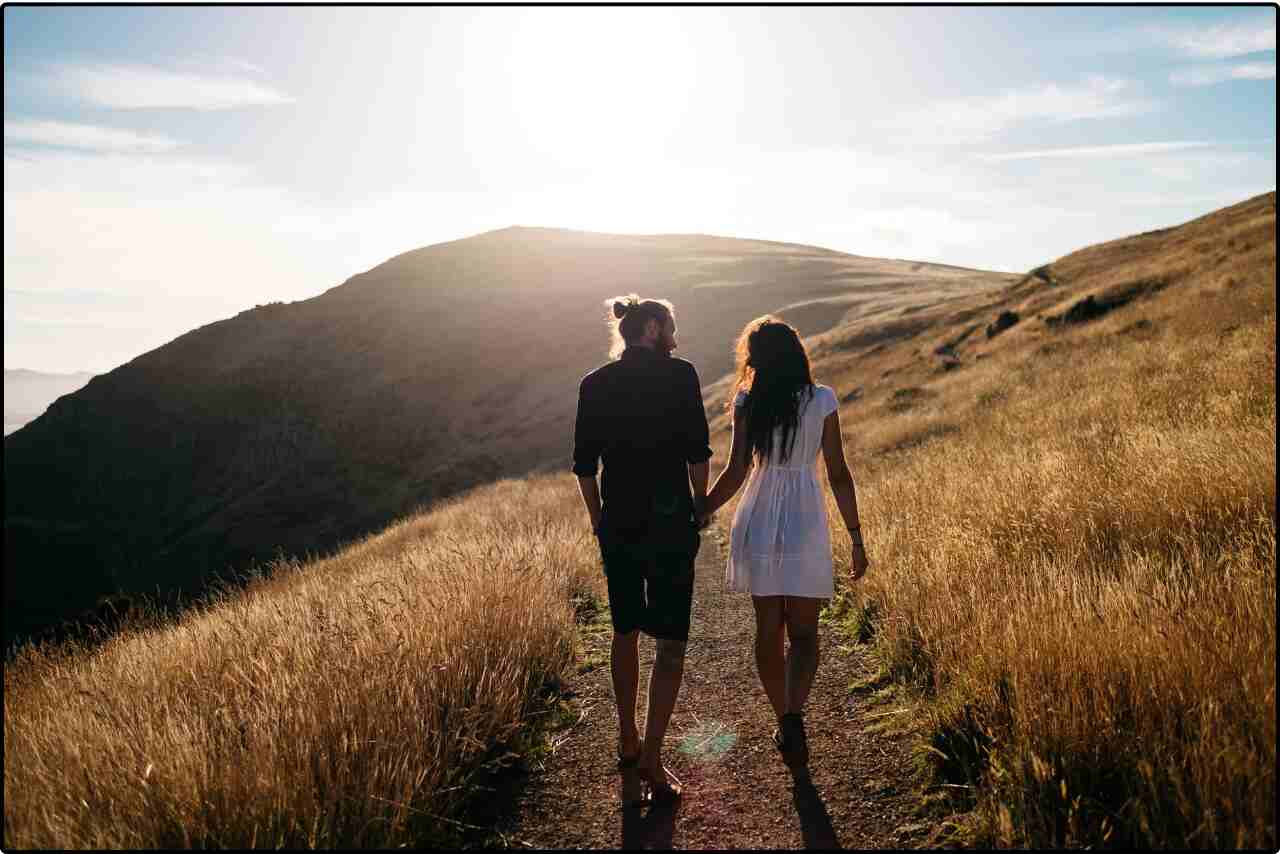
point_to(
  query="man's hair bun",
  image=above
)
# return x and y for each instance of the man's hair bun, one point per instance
(627, 315)
(620, 306)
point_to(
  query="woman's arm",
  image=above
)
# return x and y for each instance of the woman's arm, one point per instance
(735, 470)
(841, 480)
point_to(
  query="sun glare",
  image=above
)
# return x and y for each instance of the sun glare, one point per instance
(584, 87)
(592, 87)
(617, 101)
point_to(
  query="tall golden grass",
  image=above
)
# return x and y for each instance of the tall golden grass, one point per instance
(1078, 575)
(346, 703)
(1073, 546)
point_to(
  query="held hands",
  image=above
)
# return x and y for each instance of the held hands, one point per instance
(702, 512)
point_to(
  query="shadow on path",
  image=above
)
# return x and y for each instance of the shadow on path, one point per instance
(815, 823)
(653, 829)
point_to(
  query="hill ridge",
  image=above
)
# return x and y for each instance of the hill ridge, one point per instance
(301, 425)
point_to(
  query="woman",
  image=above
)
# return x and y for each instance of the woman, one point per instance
(779, 545)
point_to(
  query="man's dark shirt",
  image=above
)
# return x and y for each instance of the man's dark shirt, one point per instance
(643, 415)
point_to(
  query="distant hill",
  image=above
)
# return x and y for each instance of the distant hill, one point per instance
(299, 426)
(28, 393)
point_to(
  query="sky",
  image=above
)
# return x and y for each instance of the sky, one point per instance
(166, 167)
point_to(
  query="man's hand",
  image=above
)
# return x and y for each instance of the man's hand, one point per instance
(701, 514)
(859, 562)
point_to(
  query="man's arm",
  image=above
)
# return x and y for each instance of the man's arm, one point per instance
(586, 454)
(698, 448)
(698, 473)
(590, 490)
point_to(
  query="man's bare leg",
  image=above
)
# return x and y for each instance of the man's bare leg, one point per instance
(624, 665)
(664, 685)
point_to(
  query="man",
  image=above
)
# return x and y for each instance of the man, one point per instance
(643, 415)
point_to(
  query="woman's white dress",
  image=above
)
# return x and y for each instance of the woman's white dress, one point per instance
(779, 544)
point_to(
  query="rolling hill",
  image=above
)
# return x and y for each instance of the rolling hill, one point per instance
(1068, 491)
(296, 427)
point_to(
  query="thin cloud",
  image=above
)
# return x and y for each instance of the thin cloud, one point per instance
(1209, 75)
(219, 64)
(85, 137)
(246, 65)
(131, 87)
(980, 118)
(1223, 40)
(1094, 151)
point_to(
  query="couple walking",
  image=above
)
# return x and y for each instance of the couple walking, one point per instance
(642, 414)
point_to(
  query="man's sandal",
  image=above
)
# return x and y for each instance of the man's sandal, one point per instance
(631, 765)
(791, 741)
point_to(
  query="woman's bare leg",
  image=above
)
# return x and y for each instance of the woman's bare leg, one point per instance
(801, 616)
(770, 662)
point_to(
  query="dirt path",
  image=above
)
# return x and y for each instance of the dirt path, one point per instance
(738, 794)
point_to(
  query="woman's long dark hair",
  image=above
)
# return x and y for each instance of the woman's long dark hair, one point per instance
(773, 369)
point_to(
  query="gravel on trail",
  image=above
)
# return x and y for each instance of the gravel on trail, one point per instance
(859, 792)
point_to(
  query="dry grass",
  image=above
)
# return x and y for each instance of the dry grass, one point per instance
(349, 704)
(1073, 545)
(1079, 577)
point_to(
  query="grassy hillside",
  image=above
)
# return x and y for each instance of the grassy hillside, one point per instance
(1073, 536)
(349, 702)
(1072, 532)
(300, 426)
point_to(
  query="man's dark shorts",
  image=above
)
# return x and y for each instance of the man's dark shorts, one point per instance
(650, 579)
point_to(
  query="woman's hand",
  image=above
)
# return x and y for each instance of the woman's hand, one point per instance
(859, 562)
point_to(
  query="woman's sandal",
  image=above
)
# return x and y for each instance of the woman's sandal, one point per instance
(663, 792)
(791, 741)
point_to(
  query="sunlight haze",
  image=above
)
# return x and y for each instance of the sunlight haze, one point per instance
(166, 167)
